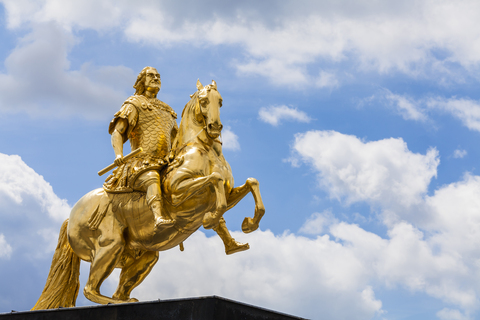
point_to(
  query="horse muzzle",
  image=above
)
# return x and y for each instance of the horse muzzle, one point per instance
(214, 130)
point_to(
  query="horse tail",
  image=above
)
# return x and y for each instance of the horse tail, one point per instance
(62, 285)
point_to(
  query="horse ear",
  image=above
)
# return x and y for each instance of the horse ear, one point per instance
(214, 84)
(199, 85)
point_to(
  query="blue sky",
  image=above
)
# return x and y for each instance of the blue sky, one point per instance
(360, 119)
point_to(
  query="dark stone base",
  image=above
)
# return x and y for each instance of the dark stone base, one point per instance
(203, 308)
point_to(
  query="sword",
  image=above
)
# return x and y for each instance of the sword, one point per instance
(113, 165)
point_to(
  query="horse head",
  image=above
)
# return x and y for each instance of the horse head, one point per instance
(201, 114)
(207, 111)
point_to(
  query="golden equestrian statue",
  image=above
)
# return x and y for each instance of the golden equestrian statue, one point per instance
(175, 180)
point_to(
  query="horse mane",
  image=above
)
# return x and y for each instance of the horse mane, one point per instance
(189, 121)
(192, 119)
(190, 104)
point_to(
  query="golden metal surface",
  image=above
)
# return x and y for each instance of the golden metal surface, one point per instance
(153, 201)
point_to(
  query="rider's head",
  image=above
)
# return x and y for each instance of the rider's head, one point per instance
(148, 79)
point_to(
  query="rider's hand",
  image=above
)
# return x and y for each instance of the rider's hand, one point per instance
(119, 160)
(171, 156)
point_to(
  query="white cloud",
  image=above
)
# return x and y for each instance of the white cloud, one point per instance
(280, 40)
(30, 218)
(230, 139)
(431, 240)
(380, 172)
(456, 218)
(327, 80)
(38, 79)
(275, 114)
(459, 153)
(451, 314)
(18, 181)
(318, 223)
(5, 248)
(466, 110)
(408, 108)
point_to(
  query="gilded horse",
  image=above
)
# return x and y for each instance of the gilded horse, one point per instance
(197, 190)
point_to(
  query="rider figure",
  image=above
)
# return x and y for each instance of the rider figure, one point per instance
(150, 124)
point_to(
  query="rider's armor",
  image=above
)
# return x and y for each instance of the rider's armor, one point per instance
(151, 126)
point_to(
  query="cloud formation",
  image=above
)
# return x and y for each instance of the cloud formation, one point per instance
(431, 240)
(39, 81)
(18, 181)
(464, 109)
(30, 218)
(407, 107)
(5, 248)
(230, 139)
(353, 170)
(280, 42)
(275, 114)
(459, 153)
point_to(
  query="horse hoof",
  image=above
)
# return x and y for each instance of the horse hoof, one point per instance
(132, 300)
(248, 225)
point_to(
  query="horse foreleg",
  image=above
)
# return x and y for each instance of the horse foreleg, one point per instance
(237, 194)
(211, 219)
(184, 187)
(234, 197)
(133, 273)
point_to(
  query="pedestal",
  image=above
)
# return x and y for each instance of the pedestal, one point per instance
(203, 308)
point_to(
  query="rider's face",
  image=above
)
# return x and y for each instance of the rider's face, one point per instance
(152, 79)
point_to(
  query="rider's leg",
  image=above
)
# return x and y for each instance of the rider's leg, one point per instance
(149, 182)
(231, 246)
(133, 273)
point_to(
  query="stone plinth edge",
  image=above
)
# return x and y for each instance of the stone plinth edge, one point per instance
(201, 308)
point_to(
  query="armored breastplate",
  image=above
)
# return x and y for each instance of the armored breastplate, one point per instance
(153, 130)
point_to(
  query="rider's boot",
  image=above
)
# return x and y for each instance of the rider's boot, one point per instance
(160, 219)
(231, 246)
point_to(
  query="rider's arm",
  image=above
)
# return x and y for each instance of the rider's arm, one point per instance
(117, 140)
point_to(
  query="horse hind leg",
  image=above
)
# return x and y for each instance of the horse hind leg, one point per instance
(102, 266)
(233, 198)
(106, 255)
(133, 273)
